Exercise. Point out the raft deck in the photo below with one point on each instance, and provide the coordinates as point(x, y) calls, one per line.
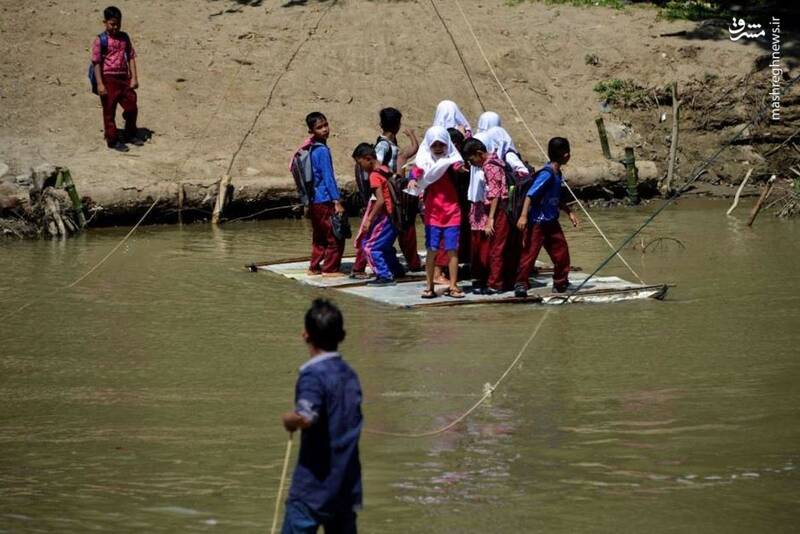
point(406, 294)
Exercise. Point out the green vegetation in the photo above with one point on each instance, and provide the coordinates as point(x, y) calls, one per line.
point(622, 92)
point(691, 10)
point(670, 10)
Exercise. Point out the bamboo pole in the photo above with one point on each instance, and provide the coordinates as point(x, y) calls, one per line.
point(764, 194)
point(601, 131)
point(673, 147)
point(65, 179)
point(739, 192)
point(221, 197)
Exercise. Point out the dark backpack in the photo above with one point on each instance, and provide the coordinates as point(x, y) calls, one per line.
point(103, 51)
point(302, 172)
point(387, 156)
point(362, 185)
point(400, 200)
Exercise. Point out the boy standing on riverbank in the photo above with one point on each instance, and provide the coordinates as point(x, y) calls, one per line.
point(326, 486)
point(539, 221)
point(117, 78)
point(326, 248)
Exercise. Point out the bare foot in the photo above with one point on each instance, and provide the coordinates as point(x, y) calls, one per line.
point(313, 273)
point(333, 275)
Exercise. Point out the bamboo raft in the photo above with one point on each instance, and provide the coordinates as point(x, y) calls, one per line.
point(406, 294)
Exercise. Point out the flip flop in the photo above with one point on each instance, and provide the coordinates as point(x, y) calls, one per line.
point(428, 294)
point(454, 294)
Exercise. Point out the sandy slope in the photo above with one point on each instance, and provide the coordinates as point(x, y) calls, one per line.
point(205, 77)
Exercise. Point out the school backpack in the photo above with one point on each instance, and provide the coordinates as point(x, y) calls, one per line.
point(302, 172)
point(103, 51)
point(518, 187)
point(400, 200)
point(362, 185)
point(387, 156)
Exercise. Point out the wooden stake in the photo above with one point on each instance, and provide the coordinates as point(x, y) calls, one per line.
point(739, 192)
point(630, 169)
point(65, 180)
point(673, 147)
point(601, 131)
point(221, 197)
point(764, 194)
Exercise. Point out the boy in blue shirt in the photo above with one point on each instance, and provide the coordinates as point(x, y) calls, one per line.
point(326, 249)
point(539, 221)
point(326, 486)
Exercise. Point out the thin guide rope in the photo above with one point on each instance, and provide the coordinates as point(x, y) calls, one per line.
point(286, 457)
point(700, 169)
point(487, 393)
point(535, 140)
point(96, 266)
point(460, 57)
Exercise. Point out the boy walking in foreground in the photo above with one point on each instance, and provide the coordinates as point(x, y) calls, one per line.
point(326, 486)
point(117, 78)
point(539, 221)
point(326, 248)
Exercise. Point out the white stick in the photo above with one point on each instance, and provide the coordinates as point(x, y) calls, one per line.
point(739, 192)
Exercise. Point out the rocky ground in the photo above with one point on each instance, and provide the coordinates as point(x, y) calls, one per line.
point(225, 85)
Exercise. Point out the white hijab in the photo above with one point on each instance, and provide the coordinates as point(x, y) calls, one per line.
point(487, 120)
point(497, 140)
point(448, 115)
point(433, 167)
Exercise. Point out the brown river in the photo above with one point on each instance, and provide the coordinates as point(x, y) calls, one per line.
point(147, 398)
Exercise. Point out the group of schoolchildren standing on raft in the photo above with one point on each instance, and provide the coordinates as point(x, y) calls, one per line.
point(480, 202)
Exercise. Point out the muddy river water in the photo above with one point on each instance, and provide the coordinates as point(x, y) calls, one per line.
point(147, 398)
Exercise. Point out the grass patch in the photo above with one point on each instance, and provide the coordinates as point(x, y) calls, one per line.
point(626, 93)
point(691, 10)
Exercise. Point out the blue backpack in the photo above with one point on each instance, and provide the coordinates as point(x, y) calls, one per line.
point(103, 51)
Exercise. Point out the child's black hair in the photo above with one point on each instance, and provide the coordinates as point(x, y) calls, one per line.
point(456, 137)
point(364, 150)
point(313, 117)
point(472, 146)
point(112, 12)
point(557, 148)
point(324, 325)
point(390, 119)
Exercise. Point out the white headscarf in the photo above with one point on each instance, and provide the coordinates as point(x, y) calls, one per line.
point(477, 180)
point(498, 141)
point(449, 116)
point(434, 167)
point(501, 144)
point(487, 120)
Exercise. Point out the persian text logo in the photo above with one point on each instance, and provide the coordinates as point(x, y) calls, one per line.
point(737, 30)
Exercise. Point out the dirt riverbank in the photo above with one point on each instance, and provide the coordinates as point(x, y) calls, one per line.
point(208, 68)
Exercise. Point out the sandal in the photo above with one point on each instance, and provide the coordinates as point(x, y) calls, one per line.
point(454, 293)
point(429, 294)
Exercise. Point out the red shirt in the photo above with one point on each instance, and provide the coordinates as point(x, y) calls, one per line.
point(441, 202)
point(379, 181)
point(119, 52)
